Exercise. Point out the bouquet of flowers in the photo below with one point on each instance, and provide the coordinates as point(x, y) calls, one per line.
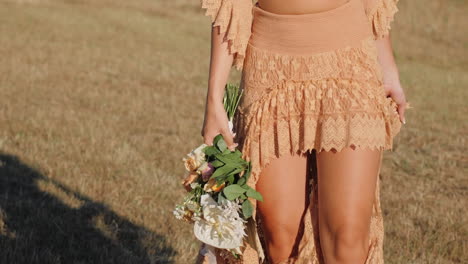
point(216, 181)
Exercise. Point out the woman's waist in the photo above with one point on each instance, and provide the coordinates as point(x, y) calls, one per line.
point(345, 25)
point(299, 6)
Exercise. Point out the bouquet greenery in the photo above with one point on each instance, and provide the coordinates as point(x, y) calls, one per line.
point(216, 180)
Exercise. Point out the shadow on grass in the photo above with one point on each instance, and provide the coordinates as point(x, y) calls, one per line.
point(37, 227)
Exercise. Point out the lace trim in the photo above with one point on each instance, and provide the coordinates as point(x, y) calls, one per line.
point(317, 100)
point(235, 19)
point(381, 17)
point(305, 132)
point(295, 117)
point(264, 68)
point(323, 101)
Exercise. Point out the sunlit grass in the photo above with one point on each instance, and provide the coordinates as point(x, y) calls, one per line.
point(101, 99)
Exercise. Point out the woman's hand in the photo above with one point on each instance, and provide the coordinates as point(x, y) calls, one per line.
point(391, 79)
point(216, 122)
point(395, 91)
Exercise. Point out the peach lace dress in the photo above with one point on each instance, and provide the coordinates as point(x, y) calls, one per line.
point(310, 81)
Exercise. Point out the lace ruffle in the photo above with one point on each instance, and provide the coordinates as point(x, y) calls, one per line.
point(328, 100)
point(323, 101)
point(266, 69)
point(234, 17)
point(381, 13)
point(324, 115)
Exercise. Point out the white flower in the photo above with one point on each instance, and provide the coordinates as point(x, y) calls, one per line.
point(195, 158)
point(237, 250)
point(198, 152)
point(192, 206)
point(232, 208)
point(221, 226)
point(179, 212)
point(197, 216)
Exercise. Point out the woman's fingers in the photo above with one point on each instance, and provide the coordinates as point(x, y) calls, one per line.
point(401, 112)
point(208, 139)
point(399, 98)
point(229, 139)
point(227, 136)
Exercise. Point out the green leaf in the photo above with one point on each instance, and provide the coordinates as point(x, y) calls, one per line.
point(211, 150)
point(247, 172)
point(247, 209)
point(254, 194)
point(243, 196)
point(220, 180)
point(241, 181)
point(235, 171)
point(221, 144)
point(226, 151)
point(217, 163)
point(245, 186)
point(230, 178)
point(233, 191)
point(231, 159)
point(222, 171)
point(216, 139)
point(237, 153)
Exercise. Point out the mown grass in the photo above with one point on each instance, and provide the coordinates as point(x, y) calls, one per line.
point(101, 99)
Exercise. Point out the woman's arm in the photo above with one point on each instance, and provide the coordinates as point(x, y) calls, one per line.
point(391, 78)
point(216, 120)
point(220, 66)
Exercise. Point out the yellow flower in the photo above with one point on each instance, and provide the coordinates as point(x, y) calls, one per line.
point(195, 158)
point(217, 188)
point(191, 177)
point(212, 186)
point(190, 163)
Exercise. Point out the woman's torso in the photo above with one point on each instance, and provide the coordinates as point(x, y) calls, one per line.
point(299, 6)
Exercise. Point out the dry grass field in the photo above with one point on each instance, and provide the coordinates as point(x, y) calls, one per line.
point(100, 99)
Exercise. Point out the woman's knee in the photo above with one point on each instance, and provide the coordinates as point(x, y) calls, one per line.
point(282, 231)
point(281, 239)
point(283, 185)
point(350, 242)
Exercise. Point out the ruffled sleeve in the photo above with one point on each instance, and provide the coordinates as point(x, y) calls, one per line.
point(235, 19)
point(380, 14)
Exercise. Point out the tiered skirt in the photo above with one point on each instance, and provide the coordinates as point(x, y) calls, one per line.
point(312, 82)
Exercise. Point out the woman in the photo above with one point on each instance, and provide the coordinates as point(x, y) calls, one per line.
point(322, 100)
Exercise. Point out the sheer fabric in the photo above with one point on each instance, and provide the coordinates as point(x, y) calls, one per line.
point(234, 17)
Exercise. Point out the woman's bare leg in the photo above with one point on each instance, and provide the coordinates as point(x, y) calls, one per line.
point(283, 185)
point(346, 187)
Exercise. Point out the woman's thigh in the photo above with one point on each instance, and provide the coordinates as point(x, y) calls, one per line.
point(283, 185)
point(346, 188)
